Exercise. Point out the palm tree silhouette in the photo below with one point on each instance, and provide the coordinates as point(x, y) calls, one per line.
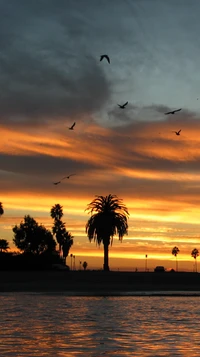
point(110, 218)
point(195, 254)
point(175, 252)
point(67, 242)
point(57, 213)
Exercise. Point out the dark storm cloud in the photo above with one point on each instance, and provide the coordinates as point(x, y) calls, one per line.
point(45, 68)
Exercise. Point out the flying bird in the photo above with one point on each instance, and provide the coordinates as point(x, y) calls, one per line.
point(173, 111)
point(72, 127)
point(67, 176)
point(56, 183)
point(123, 105)
point(177, 132)
point(105, 56)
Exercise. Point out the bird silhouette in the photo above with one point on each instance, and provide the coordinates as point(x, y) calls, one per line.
point(173, 111)
point(56, 183)
point(105, 56)
point(177, 132)
point(68, 176)
point(72, 127)
point(123, 105)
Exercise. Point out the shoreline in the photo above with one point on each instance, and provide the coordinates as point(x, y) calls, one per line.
point(95, 283)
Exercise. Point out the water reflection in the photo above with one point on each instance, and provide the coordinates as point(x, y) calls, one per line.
point(63, 326)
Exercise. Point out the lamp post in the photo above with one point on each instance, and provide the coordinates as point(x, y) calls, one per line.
point(74, 268)
point(71, 256)
point(146, 256)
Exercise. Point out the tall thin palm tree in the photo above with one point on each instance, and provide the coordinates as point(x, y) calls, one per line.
point(58, 227)
point(109, 218)
point(175, 252)
point(195, 254)
point(67, 243)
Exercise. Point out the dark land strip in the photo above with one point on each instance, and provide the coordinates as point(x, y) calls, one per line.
point(100, 282)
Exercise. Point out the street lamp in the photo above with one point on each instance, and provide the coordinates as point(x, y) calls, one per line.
point(74, 263)
point(71, 256)
point(146, 256)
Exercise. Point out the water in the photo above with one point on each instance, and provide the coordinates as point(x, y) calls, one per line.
point(57, 325)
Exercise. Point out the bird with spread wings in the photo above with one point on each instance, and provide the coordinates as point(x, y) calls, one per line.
point(72, 127)
point(106, 57)
point(65, 177)
point(176, 132)
point(123, 105)
point(173, 111)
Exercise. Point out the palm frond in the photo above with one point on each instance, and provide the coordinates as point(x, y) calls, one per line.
point(108, 218)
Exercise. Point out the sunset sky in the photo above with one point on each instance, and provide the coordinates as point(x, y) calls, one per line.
point(51, 76)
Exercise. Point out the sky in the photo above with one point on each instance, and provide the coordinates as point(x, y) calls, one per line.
point(51, 76)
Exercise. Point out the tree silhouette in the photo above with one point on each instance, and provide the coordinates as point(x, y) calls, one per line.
point(4, 245)
point(1, 209)
point(30, 237)
point(58, 227)
point(64, 238)
point(175, 252)
point(85, 264)
point(110, 218)
point(195, 254)
point(67, 243)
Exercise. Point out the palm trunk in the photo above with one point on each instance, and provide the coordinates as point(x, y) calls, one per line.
point(106, 266)
point(60, 249)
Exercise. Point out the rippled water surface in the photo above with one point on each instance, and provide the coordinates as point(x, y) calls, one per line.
point(64, 326)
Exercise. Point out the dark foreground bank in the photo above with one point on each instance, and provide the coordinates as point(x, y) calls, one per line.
point(97, 282)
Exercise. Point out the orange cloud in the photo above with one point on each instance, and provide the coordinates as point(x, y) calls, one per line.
point(156, 173)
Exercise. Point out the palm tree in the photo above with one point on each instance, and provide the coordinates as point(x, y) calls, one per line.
point(110, 218)
point(195, 254)
point(175, 252)
point(58, 227)
point(56, 212)
point(67, 242)
point(4, 246)
point(1, 209)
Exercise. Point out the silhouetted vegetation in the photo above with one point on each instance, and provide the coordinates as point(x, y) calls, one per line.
point(4, 245)
point(30, 237)
point(1, 209)
point(195, 254)
point(85, 264)
point(29, 261)
point(110, 219)
point(64, 238)
point(175, 252)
